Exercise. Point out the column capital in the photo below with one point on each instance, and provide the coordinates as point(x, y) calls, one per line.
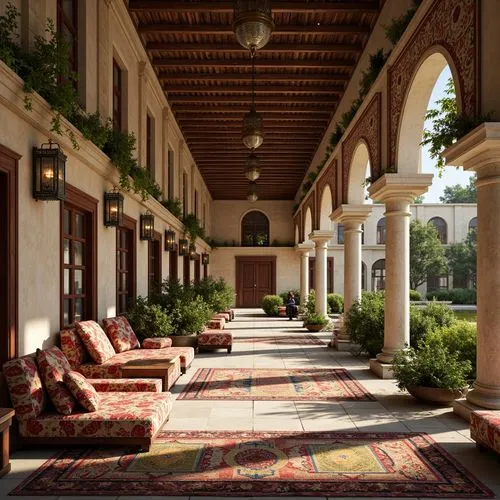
point(479, 148)
point(304, 247)
point(356, 214)
point(400, 187)
point(321, 236)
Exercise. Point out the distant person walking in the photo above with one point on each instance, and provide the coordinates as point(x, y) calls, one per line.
point(291, 306)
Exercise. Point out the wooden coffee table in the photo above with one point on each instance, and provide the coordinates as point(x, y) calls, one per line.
point(6, 415)
point(153, 368)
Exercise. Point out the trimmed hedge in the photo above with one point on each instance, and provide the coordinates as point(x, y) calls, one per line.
point(415, 296)
point(270, 304)
point(335, 303)
point(463, 296)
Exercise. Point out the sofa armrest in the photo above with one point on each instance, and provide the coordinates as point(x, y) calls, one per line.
point(126, 384)
point(156, 343)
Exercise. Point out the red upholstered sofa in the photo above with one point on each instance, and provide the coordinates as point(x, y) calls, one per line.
point(125, 417)
point(485, 429)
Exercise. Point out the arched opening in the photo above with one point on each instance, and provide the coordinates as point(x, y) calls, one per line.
point(473, 224)
point(326, 209)
point(363, 276)
point(381, 231)
point(297, 234)
point(441, 227)
point(255, 230)
point(307, 224)
point(358, 172)
point(409, 149)
point(378, 275)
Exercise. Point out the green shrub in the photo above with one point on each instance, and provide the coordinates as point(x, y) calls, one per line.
point(430, 365)
point(189, 317)
point(364, 323)
point(296, 296)
point(415, 296)
point(173, 292)
point(216, 293)
point(460, 296)
point(310, 305)
point(149, 320)
point(441, 314)
point(335, 303)
point(460, 338)
point(270, 304)
point(315, 319)
point(421, 324)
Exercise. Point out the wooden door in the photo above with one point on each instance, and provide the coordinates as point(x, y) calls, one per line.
point(255, 277)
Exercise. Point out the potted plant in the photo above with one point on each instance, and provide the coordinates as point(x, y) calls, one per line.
point(431, 373)
point(149, 320)
point(314, 322)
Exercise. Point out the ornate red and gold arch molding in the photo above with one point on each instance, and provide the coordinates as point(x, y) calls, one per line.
point(310, 202)
point(327, 178)
point(368, 129)
point(454, 26)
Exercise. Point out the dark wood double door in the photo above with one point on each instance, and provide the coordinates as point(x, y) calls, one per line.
point(255, 277)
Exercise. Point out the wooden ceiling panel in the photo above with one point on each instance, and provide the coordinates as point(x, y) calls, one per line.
point(300, 78)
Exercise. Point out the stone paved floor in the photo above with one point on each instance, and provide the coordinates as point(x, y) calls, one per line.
point(393, 411)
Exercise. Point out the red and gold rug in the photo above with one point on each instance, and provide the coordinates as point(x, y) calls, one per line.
point(263, 384)
point(262, 464)
point(284, 340)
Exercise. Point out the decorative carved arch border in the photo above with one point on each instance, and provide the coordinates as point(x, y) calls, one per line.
point(328, 178)
point(297, 221)
point(309, 203)
point(454, 25)
point(369, 130)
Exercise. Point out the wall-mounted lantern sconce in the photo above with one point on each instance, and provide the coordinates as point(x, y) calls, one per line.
point(147, 226)
point(183, 248)
point(205, 259)
point(169, 240)
point(113, 209)
point(49, 172)
point(192, 251)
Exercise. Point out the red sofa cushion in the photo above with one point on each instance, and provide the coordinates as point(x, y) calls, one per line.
point(157, 343)
point(96, 341)
point(73, 348)
point(121, 334)
point(82, 391)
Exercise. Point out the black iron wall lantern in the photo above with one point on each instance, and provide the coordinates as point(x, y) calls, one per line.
point(113, 209)
point(49, 172)
point(147, 226)
point(183, 248)
point(169, 240)
point(205, 259)
point(192, 251)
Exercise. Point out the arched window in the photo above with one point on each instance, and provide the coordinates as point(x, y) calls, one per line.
point(363, 276)
point(473, 224)
point(255, 230)
point(378, 275)
point(340, 234)
point(381, 231)
point(441, 228)
point(362, 234)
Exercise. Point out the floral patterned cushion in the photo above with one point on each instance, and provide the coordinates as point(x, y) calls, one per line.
point(485, 428)
point(120, 414)
point(25, 387)
point(216, 324)
point(52, 365)
point(220, 338)
point(224, 316)
point(121, 334)
point(73, 348)
point(156, 343)
point(83, 392)
point(95, 340)
point(126, 384)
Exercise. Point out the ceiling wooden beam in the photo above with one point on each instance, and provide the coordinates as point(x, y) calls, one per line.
point(230, 121)
point(261, 77)
point(236, 48)
point(272, 133)
point(247, 89)
point(212, 6)
point(240, 110)
point(246, 99)
point(259, 63)
point(226, 29)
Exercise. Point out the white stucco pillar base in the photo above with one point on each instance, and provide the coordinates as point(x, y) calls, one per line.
point(321, 239)
point(304, 249)
point(480, 151)
point(397, 191)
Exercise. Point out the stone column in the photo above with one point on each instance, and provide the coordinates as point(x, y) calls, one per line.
point(304, 250)
point(480, 151)
point(321, 239)
point(397, 191)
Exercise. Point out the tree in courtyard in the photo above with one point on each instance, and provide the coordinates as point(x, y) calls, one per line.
point(460, 194)
point(462, 259)
point(426, 253)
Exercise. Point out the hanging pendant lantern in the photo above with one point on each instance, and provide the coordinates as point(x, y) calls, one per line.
point(252, 192)
point(252, 135)
point(253, 23)
point(252, 167)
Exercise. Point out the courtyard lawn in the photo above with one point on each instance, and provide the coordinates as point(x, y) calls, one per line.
point(466, 315)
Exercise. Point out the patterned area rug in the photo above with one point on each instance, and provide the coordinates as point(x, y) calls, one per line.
point(263, 384)
point(285, 340)
point(262, 464)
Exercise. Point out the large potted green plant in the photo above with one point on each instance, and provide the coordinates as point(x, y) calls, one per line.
point(314, 322)
point(431, 373)
point(149, 320)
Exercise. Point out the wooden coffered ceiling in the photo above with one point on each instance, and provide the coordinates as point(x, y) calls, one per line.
point(300, 78)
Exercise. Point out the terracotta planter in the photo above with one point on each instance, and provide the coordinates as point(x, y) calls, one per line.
point(184, 340)
point(314, 328)
point(436, 396)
